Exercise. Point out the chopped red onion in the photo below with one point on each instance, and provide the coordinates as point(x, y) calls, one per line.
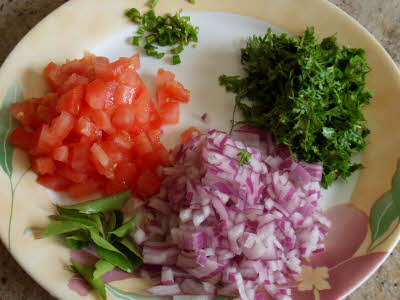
point(246, 229)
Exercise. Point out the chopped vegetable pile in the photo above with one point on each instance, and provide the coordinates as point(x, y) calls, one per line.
point(99, 129)
point(170, 30)
point(216, 227)
point(309, 95)
point(98, 224)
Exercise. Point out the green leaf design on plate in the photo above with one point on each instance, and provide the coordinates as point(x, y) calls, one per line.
point(121, 295)
point(7, 125)
point(385, 211)
point(102, 267)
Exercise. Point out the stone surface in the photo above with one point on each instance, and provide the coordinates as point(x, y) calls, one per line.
point(380, 17)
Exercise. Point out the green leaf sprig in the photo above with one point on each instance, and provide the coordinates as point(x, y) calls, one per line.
point(98, 223)
point(245, 157)
point(158, 31)
point(385, 212)
point(308, 95)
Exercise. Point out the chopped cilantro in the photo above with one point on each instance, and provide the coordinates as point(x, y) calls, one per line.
point(153, 3)
point(244, 158)
point(309, 95)
point(176, 60)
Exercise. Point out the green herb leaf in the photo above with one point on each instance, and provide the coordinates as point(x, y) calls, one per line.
point(87, 273)
point(77, 219)
point(101, 242)
point(116, 258)
point(308, 95)
point(78, 241)
point(60, 227)
point(97, 218)
point(244, 158)
point(129, 250)
point(386, 210)
point(136, 40)
point(112, 202)
point(192, 1)
point(176, 60)
point(125, 229)
point(153, 3)
point(102, 267)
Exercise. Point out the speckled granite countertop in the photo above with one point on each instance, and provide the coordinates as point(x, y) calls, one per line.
point(380, 17)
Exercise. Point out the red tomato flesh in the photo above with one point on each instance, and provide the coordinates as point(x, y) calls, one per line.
point(99, 130)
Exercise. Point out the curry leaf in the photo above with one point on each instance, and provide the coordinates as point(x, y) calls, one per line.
point(386, 210)
point(115, 221)
point(7, 125)
point(60, 227)
point(101, 242)
point(112, 202)
point(87, 273)
point(102, 267)
point(125, 229)
point(97, 218)
point(78, 219)
point(116, 258)
point(129, 250)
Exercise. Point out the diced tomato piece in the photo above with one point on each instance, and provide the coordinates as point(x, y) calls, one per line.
point(163, 155)
point(148, 183)
point(125, 178)
point(61, 154)
point(189, 133)
point(142, 108)
point(87, 128)
point(169, 112)
point(54, 182)
point(168, 87)
point(176, 91)
point(103, 121)
point(101, 161)
point(100, 93)
point(22, 139)
point(164, 77)
point(79, 156)
point(43, 140)
point(154, 136)
point(25, 112)
point(43, 165)
point(71, 101)
point(45, 113)
point(115, 69)
point(86, 188)
point(73, 81)
point(125, 94)
point(114, 153)
point(131, 78)
point(124, 117)
point(162, 97)
point(54, 76)
point(142, 144)
point(61, 127)
point(73, 175)
point(123, 140)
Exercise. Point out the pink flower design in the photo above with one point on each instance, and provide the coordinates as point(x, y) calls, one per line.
point(332, 274)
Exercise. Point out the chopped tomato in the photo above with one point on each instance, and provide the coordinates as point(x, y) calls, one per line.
point(168, 87)
point(188, 134)
point(43, 165)
point(22, 139)
point(124, 117)
point(169, 112)
point(98, 92)
point(125, 94)
point(99, 130)
point(54, 182)
point(86, 188)
point(71, 101)
point(142, 144)
point(61, 154)
point(148, 183)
